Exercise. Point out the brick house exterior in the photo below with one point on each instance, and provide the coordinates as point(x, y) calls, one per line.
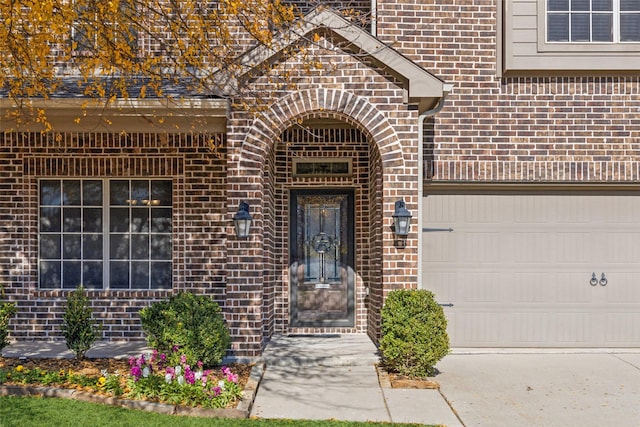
point(388, 114)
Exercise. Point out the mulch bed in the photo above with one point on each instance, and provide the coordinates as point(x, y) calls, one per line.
point(394, 380)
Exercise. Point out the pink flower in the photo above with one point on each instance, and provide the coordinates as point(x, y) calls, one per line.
point(183, 359)
point(199, 363)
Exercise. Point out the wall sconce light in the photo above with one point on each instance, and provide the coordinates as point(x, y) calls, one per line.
point(401, 219)
point(242, 221)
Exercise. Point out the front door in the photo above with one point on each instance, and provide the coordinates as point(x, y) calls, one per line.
point(321, 255)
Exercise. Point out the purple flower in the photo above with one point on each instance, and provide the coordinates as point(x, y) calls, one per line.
point(189, 376)
point(217, 391)
point(136, 372)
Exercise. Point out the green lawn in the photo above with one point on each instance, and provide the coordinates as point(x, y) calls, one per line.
point(45, 412)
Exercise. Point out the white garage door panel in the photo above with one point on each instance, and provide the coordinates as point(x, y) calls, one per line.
point(517, 268)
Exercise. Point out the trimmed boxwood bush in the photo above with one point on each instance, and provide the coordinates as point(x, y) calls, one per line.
point(192, 324)
point(78, 327)
point(414, 333)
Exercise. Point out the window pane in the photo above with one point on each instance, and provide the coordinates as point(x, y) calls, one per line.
point(92, 193)
point(140, 246)
point(92, 275)
point(602, 5)
point(559, 5)
point(139, 220)
point(558, 27)
point(72, 220)
point(119, 246)
point(580, 27)
point(580, 5)
point(161, 247)
point(161, 220)
point(160, 275)
point(630, 5)
point(140, 275)
point(119, 193)
point(92, 246)
point(50, 246)
point(630, 27)
point(119, 275)
point(50, 219)
point(50, 193)
point(71, 193)
point(72, 274)
point(119, 220)
point(50, 274)
point(92, 220)
point(140, 191)
point(161, 191)
point(71, 246)
point(602, 28)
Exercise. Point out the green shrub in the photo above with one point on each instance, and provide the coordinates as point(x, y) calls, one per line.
point(192, 323)
point(7, 309)
point(78, 327)
point(414, 333)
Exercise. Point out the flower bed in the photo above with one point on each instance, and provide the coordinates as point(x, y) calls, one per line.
point(149, 379)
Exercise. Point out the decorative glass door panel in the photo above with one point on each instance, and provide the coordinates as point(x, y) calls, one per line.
point(321, 252)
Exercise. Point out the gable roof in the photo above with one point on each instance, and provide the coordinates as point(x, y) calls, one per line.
point(422, 88)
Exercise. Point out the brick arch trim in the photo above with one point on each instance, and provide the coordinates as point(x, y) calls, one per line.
point(330, 103)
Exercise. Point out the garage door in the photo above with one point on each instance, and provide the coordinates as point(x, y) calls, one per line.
point(535, 270)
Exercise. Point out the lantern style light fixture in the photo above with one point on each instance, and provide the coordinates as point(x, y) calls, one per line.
point(401, 219)
point(242, 221)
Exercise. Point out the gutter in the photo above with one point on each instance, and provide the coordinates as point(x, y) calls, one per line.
point(447, 88)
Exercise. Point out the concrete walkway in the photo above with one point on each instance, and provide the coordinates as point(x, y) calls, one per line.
point(334, 377)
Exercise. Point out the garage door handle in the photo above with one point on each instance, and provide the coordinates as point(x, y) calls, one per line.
point(603, 280)
point(450, 304)
point(594, 280)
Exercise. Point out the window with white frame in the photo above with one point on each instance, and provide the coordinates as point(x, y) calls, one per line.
point(114, 234)
point(593, 21)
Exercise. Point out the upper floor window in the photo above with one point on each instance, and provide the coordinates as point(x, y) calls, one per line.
point(97, 26)
point(593, 21)
point(102, 234)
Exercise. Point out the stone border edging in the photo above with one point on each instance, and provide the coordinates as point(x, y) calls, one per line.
point(242, 410)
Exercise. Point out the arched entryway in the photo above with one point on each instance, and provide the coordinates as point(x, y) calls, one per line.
point(287, 150)
point(325, 185)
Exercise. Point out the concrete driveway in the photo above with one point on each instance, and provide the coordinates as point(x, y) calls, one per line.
point(581, 389)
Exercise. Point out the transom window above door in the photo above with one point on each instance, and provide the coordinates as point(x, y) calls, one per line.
point(105, 234)
point(593, 21)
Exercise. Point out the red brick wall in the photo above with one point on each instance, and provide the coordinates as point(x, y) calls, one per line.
point(513, 129)
point(200, 221)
